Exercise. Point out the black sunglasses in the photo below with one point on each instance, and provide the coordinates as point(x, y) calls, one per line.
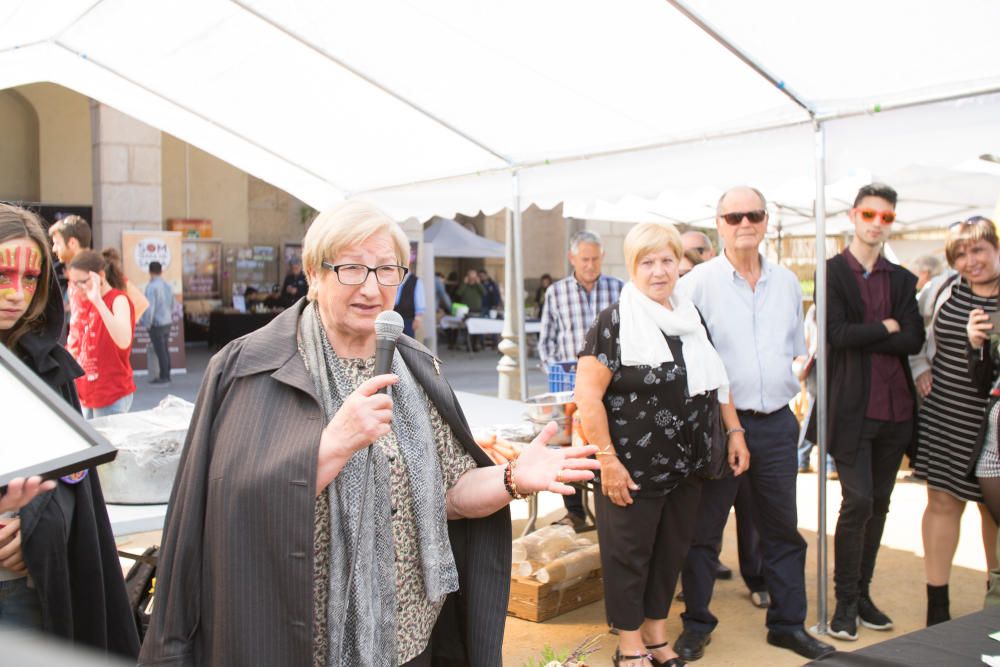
point(737, 218)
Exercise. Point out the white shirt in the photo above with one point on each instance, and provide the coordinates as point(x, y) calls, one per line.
point(756, 332)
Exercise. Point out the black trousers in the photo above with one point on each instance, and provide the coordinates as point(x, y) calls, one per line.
point(866, 485)
point(747, 539)
point(643, 547)
point(159, 337)
point(772, 440)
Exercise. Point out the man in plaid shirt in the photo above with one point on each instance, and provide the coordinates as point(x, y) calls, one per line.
point(571, 306)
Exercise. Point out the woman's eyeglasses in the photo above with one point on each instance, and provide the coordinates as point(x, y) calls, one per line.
point(737, 218)
point(387, 275)
point(869, 215)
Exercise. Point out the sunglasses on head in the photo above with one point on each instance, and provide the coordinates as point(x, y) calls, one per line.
point(736, 218)
point(974, 220)
point(869, 214)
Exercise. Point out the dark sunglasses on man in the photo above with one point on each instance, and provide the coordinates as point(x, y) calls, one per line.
point(737, 218)
point(869, 215)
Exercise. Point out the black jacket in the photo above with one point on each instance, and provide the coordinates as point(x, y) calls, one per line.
point(852, 342)
point(235, 582)
point(66, 536)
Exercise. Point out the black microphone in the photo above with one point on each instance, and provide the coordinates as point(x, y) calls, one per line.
point(388, 326)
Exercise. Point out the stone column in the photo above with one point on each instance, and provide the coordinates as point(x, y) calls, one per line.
point(126, 172)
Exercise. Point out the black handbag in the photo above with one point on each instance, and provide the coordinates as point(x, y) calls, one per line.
point(139, 584)
point(718, 454)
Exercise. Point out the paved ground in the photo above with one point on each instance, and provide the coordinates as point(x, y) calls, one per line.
point(898, 587)
point(472, 372)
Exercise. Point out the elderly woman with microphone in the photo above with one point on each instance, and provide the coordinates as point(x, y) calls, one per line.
point(648, 388)
point(318, 521)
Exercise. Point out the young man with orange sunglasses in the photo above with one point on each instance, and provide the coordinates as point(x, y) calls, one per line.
point(873, 324)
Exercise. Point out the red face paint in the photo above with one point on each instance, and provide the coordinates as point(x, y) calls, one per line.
point(20, 269)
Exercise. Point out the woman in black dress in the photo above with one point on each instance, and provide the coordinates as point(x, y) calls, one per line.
point(648, 387)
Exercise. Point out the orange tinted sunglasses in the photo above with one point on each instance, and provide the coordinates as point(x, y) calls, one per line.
point(869, 214)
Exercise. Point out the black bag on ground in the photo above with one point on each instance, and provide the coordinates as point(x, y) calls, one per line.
point(139, 585)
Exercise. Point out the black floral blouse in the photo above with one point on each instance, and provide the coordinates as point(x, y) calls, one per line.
point(661, 434)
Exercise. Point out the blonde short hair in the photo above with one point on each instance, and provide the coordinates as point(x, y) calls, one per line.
point(966, 232)
point(650, 237)
point(346, 225)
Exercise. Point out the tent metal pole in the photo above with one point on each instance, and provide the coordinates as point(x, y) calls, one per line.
point(821, 375)
point(742, 55)
point(519, 283)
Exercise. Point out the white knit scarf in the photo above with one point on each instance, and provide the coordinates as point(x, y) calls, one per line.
point(643, 323)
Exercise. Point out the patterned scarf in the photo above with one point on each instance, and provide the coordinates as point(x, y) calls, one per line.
point(362, 621)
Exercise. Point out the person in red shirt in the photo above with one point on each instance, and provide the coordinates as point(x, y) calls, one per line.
point(107, 322)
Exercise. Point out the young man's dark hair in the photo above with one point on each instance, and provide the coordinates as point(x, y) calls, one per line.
point(880, 190)
point(73, 227)
point(155, 268)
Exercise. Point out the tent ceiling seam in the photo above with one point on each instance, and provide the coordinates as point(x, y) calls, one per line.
point(530, 164)
point(372, 82)
point(196, 114)
point(79, 17)
point(742, 55)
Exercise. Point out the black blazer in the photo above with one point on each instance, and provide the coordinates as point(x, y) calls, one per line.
point(851, 343)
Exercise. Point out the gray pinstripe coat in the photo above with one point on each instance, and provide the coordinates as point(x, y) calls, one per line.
point(235, 582)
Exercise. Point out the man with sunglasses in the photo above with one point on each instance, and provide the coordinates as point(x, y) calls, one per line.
point(873, 325)
point(753, 312)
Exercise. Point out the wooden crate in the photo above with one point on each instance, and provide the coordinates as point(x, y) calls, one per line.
point(537, 602)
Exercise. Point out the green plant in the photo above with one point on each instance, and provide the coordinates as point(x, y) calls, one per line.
point(548, 655)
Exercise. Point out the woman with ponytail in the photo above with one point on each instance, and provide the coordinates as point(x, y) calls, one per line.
point(108, 319)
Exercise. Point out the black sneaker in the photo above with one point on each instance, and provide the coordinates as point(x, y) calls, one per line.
point(845, 622)
point(871, 616)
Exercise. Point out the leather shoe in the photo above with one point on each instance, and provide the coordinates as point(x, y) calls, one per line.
point(690, 646)
point(801, 642)
point(722, 572)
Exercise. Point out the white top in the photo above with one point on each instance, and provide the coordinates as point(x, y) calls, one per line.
point(757, 332)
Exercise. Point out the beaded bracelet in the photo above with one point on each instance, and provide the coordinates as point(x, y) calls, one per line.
point(508, 481)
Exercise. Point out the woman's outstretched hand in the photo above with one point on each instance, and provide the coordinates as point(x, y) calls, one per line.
point(543, 468)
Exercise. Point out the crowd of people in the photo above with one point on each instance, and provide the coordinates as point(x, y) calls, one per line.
point(360, 524)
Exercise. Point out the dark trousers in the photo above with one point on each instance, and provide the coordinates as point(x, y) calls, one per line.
point(159, 337)
point(772, 440)
point(866, 484)
point(747, 540)
point(574, 504)
point(408, 327)
point(643, 547)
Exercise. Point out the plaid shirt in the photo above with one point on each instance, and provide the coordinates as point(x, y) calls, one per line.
point(569, 313)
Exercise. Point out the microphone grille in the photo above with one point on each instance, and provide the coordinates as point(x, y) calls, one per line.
point(388, 324)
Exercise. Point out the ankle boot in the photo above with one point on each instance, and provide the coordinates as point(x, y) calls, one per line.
point(937, 605)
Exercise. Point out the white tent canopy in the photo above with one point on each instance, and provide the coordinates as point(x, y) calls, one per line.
point(428, 107)
point(451, 239)
point(439, 106)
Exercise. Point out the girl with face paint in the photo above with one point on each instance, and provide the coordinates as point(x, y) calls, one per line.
point(57, 556)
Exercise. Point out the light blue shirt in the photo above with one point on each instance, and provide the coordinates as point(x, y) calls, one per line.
point(161, 304)
point(757, 332)
point(419, 300)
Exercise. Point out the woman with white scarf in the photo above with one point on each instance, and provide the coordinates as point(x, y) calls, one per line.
point(649, 385)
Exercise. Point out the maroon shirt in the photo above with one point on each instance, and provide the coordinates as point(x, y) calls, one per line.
point(889, 397)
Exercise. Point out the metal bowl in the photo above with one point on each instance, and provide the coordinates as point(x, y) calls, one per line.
point(557, 407)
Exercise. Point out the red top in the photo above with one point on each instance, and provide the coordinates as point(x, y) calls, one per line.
point(107, 372)
point(889, 397)
point(77, 302)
